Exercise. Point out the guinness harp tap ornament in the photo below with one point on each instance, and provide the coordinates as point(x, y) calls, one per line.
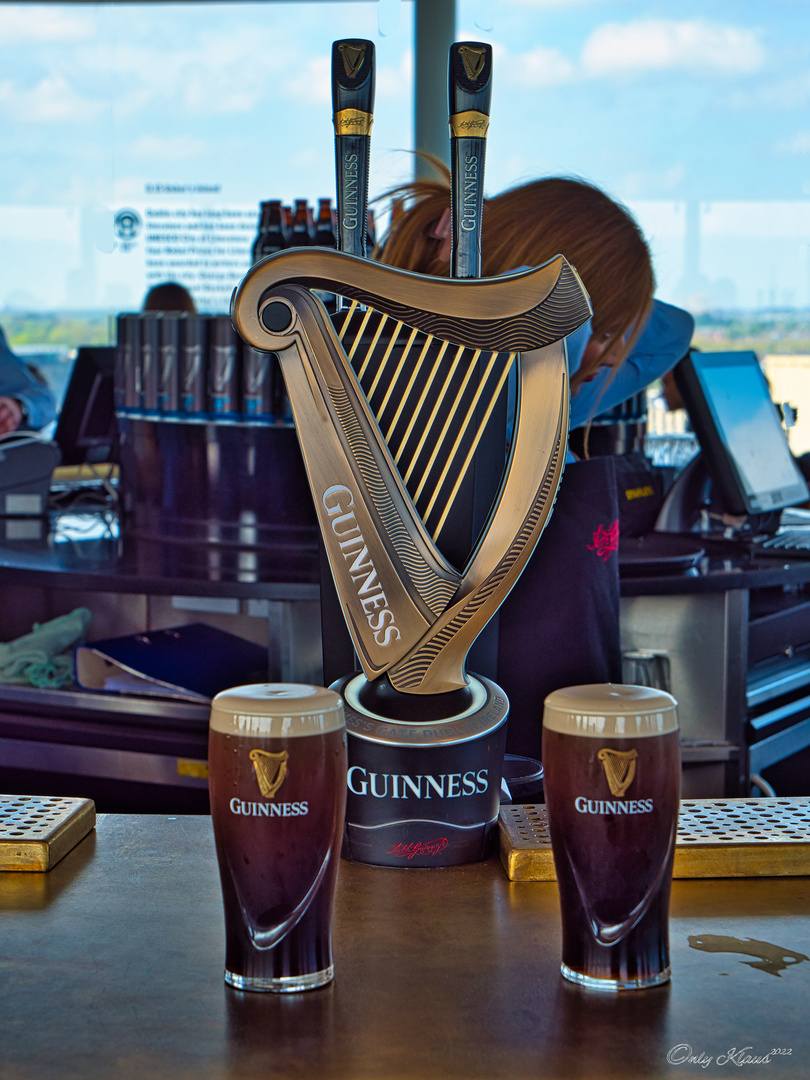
point(391, 402)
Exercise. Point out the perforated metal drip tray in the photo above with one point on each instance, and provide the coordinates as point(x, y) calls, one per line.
point(716, 838)
point(36, 831)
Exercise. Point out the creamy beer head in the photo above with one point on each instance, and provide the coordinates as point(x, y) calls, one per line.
point(276, 710)
point(610, 711)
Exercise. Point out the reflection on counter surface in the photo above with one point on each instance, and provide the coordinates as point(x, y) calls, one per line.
point(96, 544)
point(452, 974)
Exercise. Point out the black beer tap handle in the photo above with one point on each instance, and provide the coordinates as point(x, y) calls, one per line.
point(352, 113)
point(470, 91)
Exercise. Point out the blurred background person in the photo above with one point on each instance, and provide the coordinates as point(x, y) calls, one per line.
point(26, 401)
point(169, 296)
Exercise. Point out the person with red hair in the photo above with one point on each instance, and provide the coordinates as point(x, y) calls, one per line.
point(559, 626)
point(631, 339)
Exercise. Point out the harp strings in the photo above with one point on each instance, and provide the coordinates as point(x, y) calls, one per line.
point(432, 401)
point(479, 431)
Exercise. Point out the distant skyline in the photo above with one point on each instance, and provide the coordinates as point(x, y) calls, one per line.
point(696, 115)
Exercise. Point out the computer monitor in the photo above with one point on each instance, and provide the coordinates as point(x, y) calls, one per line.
point(740, 432)
point(87, 429)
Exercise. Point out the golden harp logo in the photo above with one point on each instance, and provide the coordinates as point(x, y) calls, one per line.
point(620, 769)
point(270, 769)
point(473, 60)
point(352, 58)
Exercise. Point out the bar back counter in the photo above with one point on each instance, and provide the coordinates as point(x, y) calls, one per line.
point(731, 638)
point(730, 635)
point(130, 752)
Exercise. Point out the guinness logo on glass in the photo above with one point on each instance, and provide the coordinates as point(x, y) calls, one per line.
point(620, 769)
point(270, 769)
point(473, 60)
point(352, 58)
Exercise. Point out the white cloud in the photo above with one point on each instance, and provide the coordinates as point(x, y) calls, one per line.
point(25, 23)
point(790, 91)
point(542, 3)
point(312, 83)
point(230, 73)
point(798, 144)
point(766, 218)
point(664, 180)
point(52, 99)
point(538, 67)
point(667, 44)
point(394, 82)
point(181, 148)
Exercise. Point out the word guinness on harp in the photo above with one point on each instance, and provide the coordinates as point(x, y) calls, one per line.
point(337, 502)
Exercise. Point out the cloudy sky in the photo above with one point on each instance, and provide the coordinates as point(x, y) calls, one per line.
point(701, 103)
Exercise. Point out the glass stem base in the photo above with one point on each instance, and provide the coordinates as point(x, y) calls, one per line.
point(286, 984)
point(614, 986)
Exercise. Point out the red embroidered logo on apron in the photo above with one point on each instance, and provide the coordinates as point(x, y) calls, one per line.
point(605, 540)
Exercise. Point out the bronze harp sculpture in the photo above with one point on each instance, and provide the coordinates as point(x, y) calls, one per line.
point(391, 398)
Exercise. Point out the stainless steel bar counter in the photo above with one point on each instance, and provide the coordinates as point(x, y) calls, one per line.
point(112, 969)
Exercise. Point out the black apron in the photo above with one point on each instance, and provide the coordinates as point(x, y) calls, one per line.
point(559, 626)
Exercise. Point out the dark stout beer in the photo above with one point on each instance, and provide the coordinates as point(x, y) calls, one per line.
point(612, 781)
point(277, 757)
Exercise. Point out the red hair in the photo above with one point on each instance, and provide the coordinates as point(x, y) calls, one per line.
point(527, 226)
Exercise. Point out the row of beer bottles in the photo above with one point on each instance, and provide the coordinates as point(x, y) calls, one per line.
point(194, 369)
point(283, 227)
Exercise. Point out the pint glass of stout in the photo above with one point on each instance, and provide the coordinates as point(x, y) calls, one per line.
point(612, 779)
point(277, 762)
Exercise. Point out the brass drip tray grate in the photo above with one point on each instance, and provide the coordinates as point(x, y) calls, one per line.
point(716, 838)
point(36, 831)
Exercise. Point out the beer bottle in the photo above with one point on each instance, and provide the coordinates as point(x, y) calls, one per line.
point(324, 226)
point(273, 234)
point(303, 229)
point(264, 221)
point(326, 236)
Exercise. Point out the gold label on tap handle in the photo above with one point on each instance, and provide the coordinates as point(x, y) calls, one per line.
point(353, 122)
point(469, 124)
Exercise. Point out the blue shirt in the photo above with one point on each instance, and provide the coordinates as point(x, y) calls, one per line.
point(663, 342)
point(17, 381)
